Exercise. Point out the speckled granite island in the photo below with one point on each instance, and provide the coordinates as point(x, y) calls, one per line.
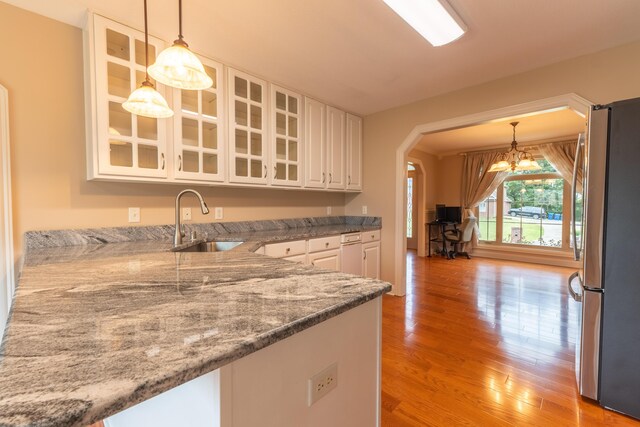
point(105, 319)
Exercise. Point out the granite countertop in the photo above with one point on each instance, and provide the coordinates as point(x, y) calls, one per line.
point(96, 328)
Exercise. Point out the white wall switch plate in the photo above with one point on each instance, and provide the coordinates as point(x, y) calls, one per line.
point(218, 213)
point(322, 383)
point(328, 210)
point(364, 209)
point(134, 214)
point(186, 214)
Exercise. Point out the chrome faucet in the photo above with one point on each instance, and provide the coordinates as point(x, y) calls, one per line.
point(179, 234)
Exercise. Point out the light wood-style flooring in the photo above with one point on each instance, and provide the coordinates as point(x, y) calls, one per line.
point(483, 342)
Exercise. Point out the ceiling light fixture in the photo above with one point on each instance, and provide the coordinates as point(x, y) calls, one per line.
point(146, 100)
point(515, 159)
point(435, 20)
point(178, 67)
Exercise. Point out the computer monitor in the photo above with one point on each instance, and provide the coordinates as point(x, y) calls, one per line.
point(453, 214)
point(441, 213)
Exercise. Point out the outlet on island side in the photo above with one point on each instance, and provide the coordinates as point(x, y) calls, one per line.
point(329, 210)
point(322, 383)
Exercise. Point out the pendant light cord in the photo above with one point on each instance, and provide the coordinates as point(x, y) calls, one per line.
point(146, 44)
point(179, 19)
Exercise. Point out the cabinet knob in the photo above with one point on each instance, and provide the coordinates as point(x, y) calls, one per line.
point(162, 157)
point(288, 250)
point(275, 172)
point(179, 162)
point(323, 177)
point(326, 245)
point(349, 183)
point(265, 171)
point(364, 255)
point(330, 178)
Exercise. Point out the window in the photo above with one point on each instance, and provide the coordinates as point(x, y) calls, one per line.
point(527, 209)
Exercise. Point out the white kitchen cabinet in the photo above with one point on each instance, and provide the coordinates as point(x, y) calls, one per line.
point(329, 260)
point(316, 144)
point(286, 249)
point(120, 143)
point(247, 148)
point(354, 152)
point(371, 254)
point(336, 148)
point(286, 137)
point(198, 125)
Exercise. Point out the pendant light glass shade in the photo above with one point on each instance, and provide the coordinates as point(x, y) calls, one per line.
point(501, 166)
point(178, 67)
point(146, 101)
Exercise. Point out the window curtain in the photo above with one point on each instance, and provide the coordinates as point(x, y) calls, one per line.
point(562, 156)
point(478, 183)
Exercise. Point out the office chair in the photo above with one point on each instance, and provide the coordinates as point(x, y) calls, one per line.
point(460, 236)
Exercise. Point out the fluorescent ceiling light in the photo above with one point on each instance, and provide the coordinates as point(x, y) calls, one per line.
point(434, 20)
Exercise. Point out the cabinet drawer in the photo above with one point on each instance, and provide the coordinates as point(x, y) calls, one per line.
point(286, 249)
point(370, 236)
point(302, 259)
point(324, 243)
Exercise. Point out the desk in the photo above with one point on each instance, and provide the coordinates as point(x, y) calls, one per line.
point(440, 227)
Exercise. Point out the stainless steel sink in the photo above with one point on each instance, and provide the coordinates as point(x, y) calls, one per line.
point(211, 247)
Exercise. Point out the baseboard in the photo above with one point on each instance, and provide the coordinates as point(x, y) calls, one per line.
point(533, 256)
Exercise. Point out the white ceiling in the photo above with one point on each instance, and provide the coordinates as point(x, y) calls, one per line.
point(359, 55)
point(531, 128)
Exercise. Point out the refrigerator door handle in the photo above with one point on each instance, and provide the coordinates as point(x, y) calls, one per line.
point(576, 297)
point(574, 183)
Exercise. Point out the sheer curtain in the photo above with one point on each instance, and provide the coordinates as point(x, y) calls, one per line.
point(562, 156)
point(478, 183)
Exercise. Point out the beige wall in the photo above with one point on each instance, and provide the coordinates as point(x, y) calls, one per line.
point(601, 77)
point(449, 182)
point(42, 66)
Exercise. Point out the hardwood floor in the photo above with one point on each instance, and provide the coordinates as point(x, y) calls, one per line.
point(483, 342)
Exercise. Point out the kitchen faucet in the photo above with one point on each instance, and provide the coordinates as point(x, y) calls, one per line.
point(179, 234)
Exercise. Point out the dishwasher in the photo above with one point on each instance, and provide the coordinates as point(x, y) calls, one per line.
point(351, 253)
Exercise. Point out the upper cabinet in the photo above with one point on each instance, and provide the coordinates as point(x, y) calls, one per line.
point(247, 128)
point(316, 143)
point(335, 148)
point(354, 152)
point(198, 129)
point(243, 131)
point(286, 137)
point(121, 143)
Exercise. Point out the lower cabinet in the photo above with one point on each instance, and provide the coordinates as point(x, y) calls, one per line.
point(371, 260)
point(329, 260)
point(324, 252)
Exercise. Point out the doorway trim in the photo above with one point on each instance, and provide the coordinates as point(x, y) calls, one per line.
point(7, 278)
point(422, 196)
point(570, 101)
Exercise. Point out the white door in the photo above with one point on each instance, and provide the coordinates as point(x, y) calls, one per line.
point(336, 148)
point(329, 260)
point(354, 152)
point(247, 128)
point(315, 139)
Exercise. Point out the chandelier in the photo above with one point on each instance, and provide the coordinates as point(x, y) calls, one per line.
point(515, 159)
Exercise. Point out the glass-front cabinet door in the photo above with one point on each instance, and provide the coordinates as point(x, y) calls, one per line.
point(126, 144)
point(286, 143)
point(198, 129)
point(247, 128)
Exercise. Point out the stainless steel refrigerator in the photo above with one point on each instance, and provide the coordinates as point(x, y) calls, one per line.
point(606, 237)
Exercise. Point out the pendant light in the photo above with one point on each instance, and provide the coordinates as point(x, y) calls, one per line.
point(146, 100)
point(178, 67)
point(515, 159)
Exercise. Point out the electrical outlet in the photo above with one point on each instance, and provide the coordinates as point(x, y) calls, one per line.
point(218, 213)
point(364, 209)
point(322, 383)
point(134, 214)
point(328, 210)
point(186, 214)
